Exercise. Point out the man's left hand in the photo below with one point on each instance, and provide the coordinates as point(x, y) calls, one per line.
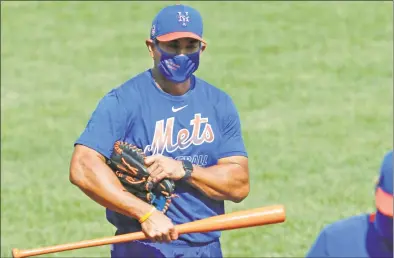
point(160, 167)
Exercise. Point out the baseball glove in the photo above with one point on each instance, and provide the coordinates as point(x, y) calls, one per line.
point(127, 162)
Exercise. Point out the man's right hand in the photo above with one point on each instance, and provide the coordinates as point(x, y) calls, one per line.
point(158, 227)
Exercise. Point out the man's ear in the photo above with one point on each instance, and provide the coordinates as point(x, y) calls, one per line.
point(149, 45)
point(203, 47)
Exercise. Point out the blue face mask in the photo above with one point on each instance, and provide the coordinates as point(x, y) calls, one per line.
point(178, 68)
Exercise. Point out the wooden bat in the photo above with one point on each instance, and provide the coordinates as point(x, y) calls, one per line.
point(240, 219)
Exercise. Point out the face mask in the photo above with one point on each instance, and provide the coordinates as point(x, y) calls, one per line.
point(178, 68)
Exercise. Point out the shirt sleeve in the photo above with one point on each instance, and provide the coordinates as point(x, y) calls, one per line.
point(106, 125)
point(319, 247)
point(232, 143)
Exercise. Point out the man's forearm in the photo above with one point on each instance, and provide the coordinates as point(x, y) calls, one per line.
point(221, 182)
point(98, 182)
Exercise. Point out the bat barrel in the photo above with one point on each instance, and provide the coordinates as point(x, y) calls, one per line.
point(241, 219)
point(235, 220)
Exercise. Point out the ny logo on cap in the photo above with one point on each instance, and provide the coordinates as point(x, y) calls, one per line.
point(183, 18)
point(153, 30)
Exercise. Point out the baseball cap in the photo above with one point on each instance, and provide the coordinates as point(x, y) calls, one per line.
point(384, 189)
point(177, 21)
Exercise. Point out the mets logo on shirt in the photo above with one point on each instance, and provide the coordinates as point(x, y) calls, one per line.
point(200, 133)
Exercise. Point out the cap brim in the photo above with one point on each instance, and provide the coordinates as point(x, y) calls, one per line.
point(178, 35)
point(384, 202)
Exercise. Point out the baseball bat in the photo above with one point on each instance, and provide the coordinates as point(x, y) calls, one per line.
point(235, 220)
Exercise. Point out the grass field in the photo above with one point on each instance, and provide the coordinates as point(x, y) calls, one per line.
point(312, 82)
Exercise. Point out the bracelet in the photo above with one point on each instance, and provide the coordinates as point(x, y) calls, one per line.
point(147, 215)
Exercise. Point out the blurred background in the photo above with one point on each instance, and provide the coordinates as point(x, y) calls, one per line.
point(312, 82)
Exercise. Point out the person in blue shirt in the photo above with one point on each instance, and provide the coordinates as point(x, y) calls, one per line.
point(189, 129)
point(366, 235)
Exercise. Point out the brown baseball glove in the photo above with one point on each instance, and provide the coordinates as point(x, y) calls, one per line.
point(127, 162)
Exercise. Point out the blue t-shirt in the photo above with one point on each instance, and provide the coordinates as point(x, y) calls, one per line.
point(356, 236)
point(201, 126)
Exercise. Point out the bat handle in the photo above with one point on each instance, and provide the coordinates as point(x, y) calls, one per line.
point(16, 253)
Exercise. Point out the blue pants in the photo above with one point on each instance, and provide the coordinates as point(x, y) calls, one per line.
point(176, 249)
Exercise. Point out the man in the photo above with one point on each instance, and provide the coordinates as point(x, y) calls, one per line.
point(183, 124)
point(367, 235)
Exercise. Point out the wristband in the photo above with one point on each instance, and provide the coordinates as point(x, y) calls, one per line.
point(147, 215)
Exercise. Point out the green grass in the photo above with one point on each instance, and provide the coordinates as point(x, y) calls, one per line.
point(312, 82)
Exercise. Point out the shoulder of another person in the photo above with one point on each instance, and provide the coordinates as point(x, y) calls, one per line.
point(347, 225)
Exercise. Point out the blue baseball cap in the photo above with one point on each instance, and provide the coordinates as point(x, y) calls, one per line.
point(384, 188)
point(177, 21)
